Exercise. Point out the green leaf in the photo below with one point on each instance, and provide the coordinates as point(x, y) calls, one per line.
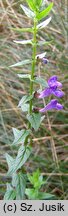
point(27, 11)
point(21, 158)
point(23, 155)
point(31, 4)
point(24, 76)
point(36, 179)
point(36, 195)
point(41, 81)
point(44, 23)
point(24, 99)
point(10, 193)
point(23, 42)
point(9, 160)
point(45, 12)
point(22, 29)
point(34, 119)
point(31, 193)
point(21, 63)
point(38, 2)
point(25, 107)
point(19, 136)
point(45, 196)
point(41, 43)
point(19, 182)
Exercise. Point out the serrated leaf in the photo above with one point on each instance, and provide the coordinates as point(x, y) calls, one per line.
point(24, 99)
point(34, 119)
point(27, 11)
point(20, 136)
point(44, 23)
point(10, 193)
point(41, 81)
point(45, 12)
point(21, 63)
point(24, 76)
point(19, 183)
point(23, 42)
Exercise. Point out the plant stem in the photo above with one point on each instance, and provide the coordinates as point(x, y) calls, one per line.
point(32, 73)
point(33, 63)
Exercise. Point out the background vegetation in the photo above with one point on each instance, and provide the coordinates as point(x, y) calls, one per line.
point(53, 131)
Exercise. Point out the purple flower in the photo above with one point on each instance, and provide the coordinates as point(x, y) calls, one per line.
point(53, 88)
point(52, 105)
point(45, 60)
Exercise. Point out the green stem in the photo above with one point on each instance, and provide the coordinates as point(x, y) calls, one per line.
point(33, 63)
point(32, 73)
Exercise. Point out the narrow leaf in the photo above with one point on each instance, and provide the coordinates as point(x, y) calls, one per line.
point(27, 11)
point(24, 76)
point(44, 23)
point(31, 4)
point(24, 62)
point(22, 29)
point(45, 12)
point(23, 42)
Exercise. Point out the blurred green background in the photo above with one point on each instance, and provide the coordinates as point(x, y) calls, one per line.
point(53, 130)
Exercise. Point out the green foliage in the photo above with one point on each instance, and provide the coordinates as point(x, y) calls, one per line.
point(31, 4)
point(24, 99)
point(21, 63)
point(22, 156)
point(17, 189)
point(41, 81)
point(45, 12)
point(34, 119)
point(28, 12)
point(36, 179)
point(24, 76)
point(19, 183)
point(20, 136)
point(23, 42)
point(10, 193)
point(44, 23)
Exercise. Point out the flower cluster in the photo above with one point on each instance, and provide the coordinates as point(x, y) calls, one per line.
point(54, 87)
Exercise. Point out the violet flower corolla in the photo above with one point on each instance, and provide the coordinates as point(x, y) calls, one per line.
point(52, 105)
point(53, 88)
